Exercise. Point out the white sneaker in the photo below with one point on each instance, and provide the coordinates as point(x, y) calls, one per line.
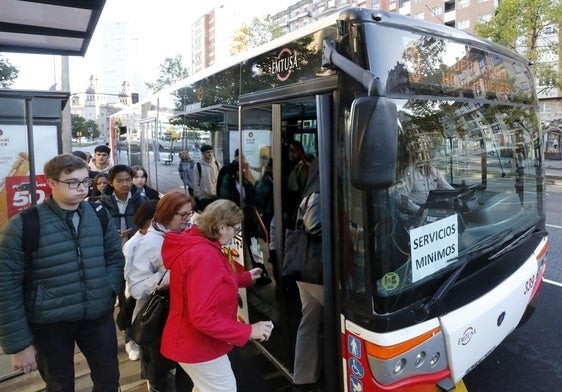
point(133, 350)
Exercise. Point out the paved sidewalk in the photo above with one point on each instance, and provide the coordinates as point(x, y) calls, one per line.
point(252, 370)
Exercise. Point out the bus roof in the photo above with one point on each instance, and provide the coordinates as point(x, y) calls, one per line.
point(351, 14)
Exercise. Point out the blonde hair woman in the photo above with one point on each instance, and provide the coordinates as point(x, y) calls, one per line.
point(202, 326)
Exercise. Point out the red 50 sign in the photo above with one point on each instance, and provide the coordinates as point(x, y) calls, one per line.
point(18, 192)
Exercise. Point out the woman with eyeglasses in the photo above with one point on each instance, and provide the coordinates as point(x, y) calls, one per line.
point(144, 271)
point(122, 199)
point(202, 327)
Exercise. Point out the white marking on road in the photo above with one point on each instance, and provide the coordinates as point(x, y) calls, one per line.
point(552, 282)
point(555, 226)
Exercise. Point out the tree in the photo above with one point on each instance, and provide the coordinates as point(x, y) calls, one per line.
point(522, 25)
point(172, 70)
point(8, 73)
point(80, 124)
point(257, 33)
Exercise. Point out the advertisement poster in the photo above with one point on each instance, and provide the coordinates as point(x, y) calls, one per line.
point(18, 192)
point(256, 148)
point(15, 161)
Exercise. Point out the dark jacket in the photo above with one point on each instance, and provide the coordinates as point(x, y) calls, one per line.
point(150, 193)
point(74, 275)
point(108, 201)
point(227, 185)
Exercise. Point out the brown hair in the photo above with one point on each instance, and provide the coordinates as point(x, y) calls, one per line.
point(216, 214)
point(95, 191)
point(63, 163)
point(145, 213)
point(169, 204)
point(136, 168)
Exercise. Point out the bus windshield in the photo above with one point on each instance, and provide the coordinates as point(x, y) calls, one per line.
point(469, 175)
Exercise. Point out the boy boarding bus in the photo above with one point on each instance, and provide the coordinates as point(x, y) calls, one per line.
point(432, 189)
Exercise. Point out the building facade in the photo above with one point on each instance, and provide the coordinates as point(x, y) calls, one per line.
point(95, 106)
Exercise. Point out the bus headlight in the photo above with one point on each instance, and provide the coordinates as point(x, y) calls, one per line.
point(420, 359)
point(424, 354)
point(400, 366)
point(434, 360)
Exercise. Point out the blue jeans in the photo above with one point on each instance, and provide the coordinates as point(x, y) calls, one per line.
point(96, 339)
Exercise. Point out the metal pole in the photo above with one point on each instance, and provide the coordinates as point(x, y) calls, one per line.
point(66, 121)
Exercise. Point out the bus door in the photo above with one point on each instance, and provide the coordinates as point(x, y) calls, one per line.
point(277, 143)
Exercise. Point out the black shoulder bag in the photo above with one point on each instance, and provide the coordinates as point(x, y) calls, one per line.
point(302, 259)
point(148, 325)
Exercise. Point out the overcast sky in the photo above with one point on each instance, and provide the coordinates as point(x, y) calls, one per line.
point(170, 19)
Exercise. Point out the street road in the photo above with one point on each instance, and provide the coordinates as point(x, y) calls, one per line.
point(530, 359)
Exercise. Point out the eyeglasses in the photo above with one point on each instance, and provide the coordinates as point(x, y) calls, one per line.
point(184, 215)
point(75, 183)
point(237, 229)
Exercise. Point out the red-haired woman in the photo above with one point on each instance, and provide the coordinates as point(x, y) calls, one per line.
point(145, 271)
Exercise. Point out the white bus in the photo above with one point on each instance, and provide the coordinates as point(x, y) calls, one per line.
point(416, 293)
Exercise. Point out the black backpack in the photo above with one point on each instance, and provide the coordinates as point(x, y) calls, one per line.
point(199, 169)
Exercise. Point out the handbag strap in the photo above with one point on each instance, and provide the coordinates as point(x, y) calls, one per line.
point(161, 279)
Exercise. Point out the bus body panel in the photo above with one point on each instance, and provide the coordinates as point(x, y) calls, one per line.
point(476, 329)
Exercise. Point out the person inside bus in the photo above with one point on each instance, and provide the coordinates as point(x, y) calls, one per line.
point(295, 174)
point(419, 177)
point(228, 187)
point(308, 362)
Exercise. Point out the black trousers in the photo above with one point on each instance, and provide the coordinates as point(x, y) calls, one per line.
point(96, 339)
point(156, 368)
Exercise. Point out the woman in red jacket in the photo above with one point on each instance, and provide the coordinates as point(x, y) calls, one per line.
point(202, 326)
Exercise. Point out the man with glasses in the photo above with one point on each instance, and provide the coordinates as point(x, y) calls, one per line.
point(64, 294)
point(205, 178)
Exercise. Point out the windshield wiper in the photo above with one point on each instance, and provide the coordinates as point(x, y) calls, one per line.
point(425, 309)
point(519, 241)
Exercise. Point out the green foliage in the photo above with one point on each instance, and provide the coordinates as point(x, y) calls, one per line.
point(257, 33)
point(80, 124)
point(240, 40)
point(172, 70)
point(8, 73)
point(521, 25)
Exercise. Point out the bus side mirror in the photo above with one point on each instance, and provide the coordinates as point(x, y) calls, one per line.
point(374, 141)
